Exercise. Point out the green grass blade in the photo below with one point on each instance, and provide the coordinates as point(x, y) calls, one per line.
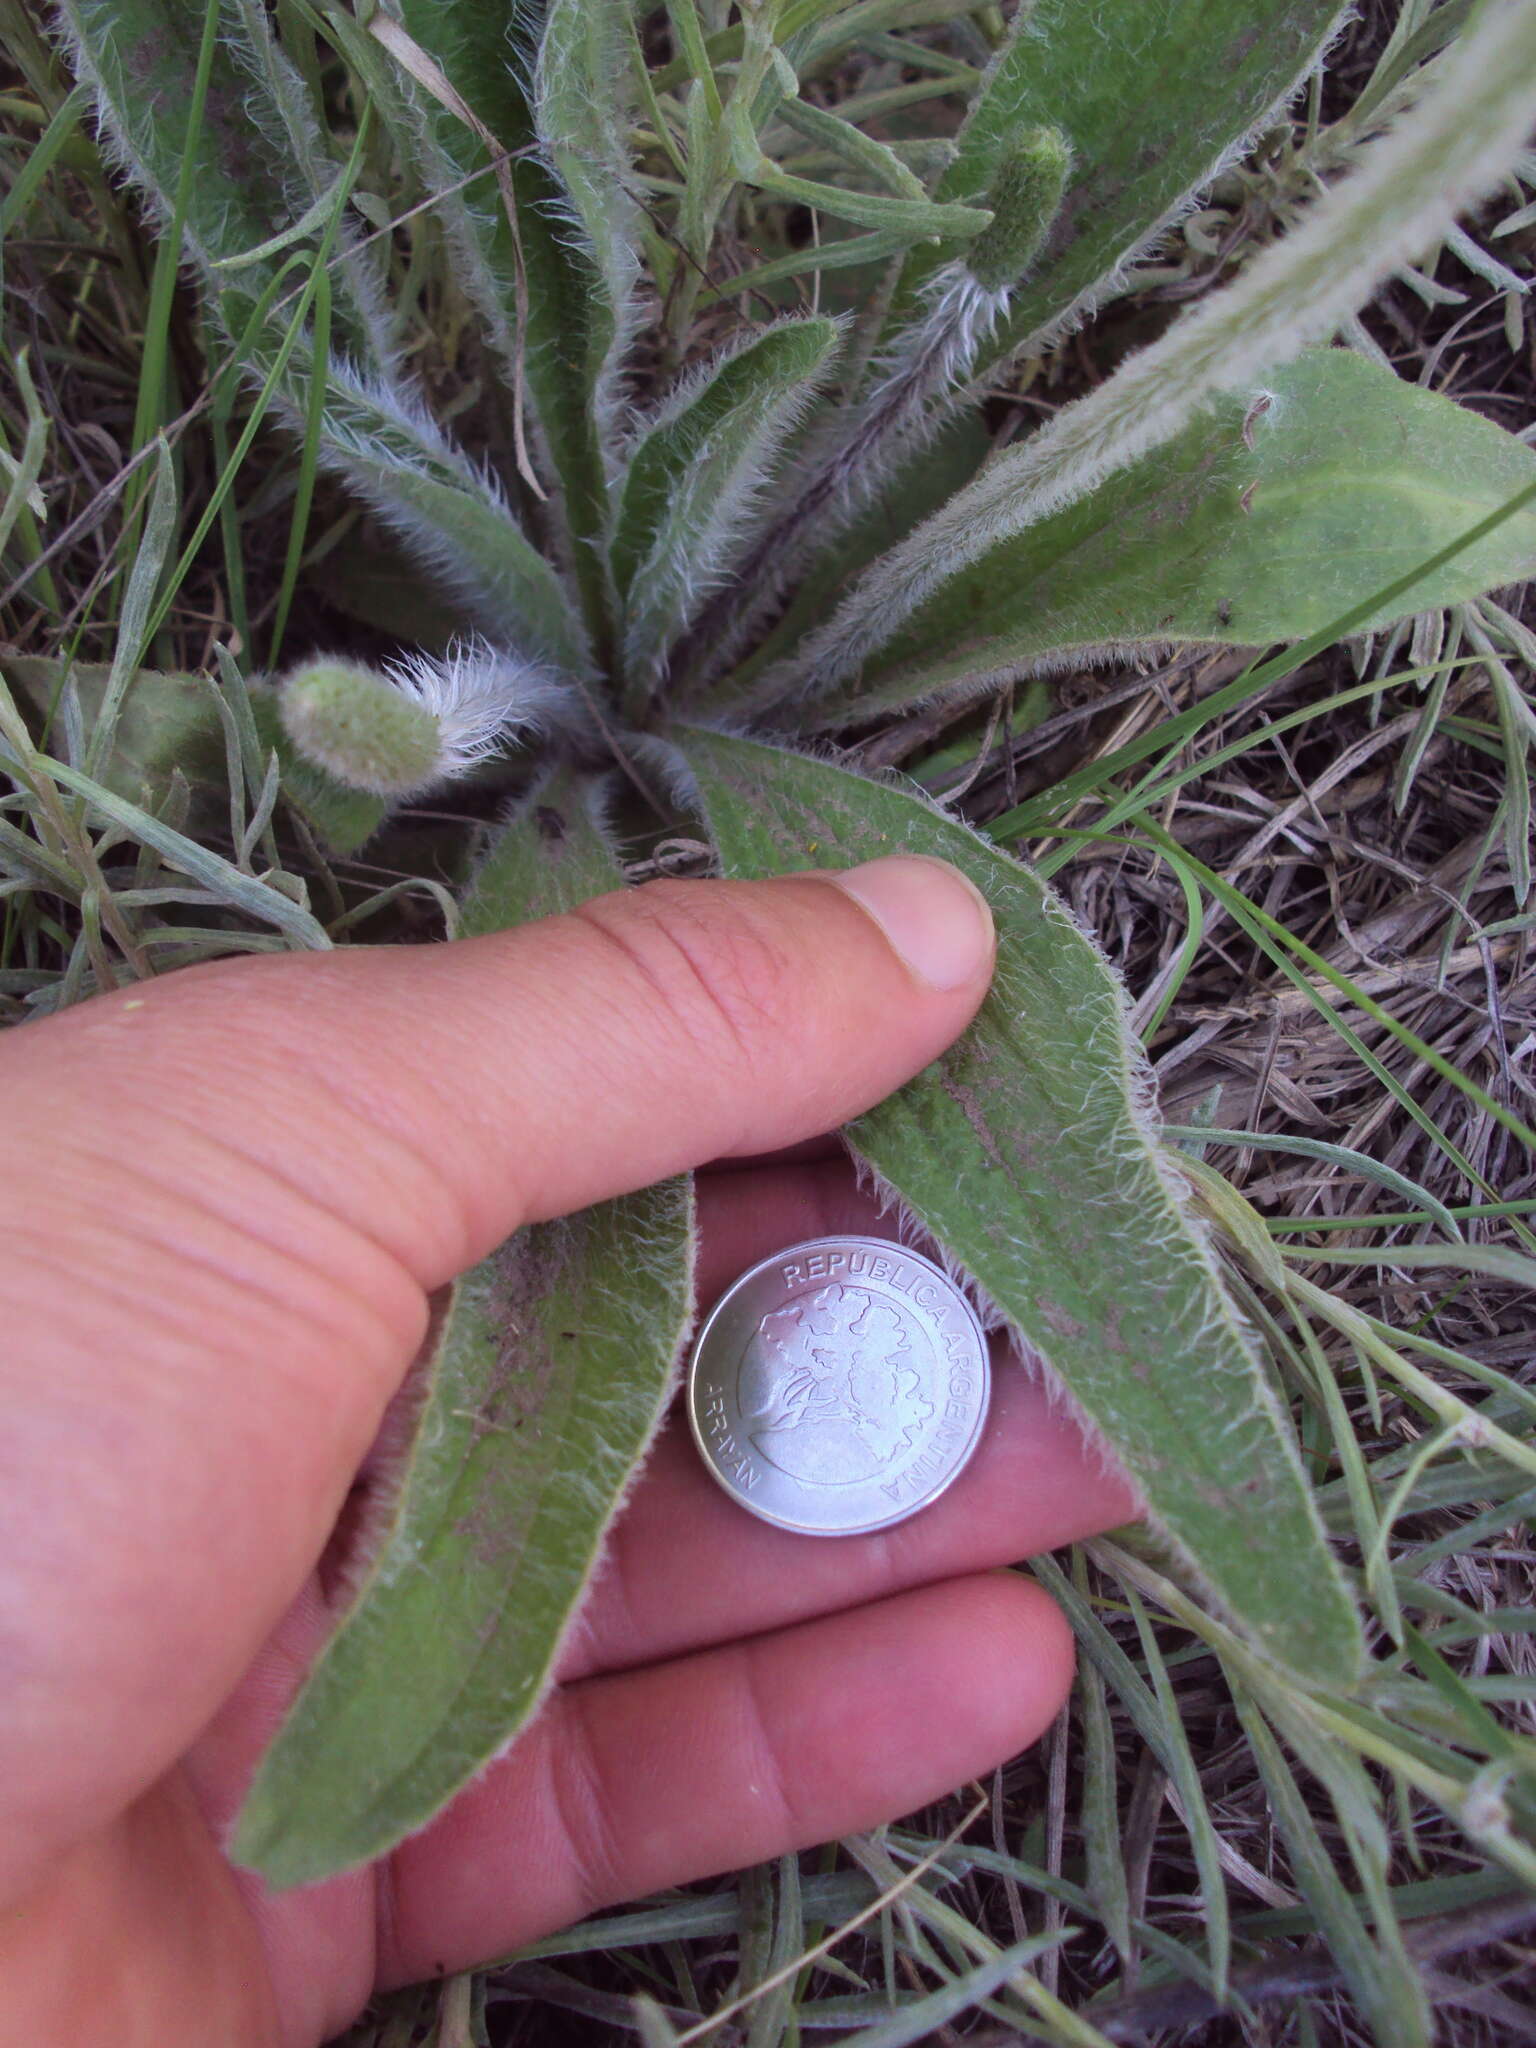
point(1388, 1989)
point(1102, 1830)
point(1195, 1813)
point(1278, 943)
point(309, 462)
point(224, 882)
point(22, 500)
point(548, 1373)
point(1283, 507)
point(136, 619)
point(41, 158)
point(1026, 1152)
point(1344, 1156)
point(921, 2019)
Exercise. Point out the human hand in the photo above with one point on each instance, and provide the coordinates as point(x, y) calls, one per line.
point(226, 1198)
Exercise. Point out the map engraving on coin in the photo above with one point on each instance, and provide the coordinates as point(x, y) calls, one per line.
point(839, 1386)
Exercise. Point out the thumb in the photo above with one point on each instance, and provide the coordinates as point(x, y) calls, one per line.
point(227, 1194)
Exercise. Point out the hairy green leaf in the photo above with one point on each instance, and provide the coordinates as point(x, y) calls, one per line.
point(1025, 1149)
point(557, 345)
point(919, 488)
point(260, 160)
point(1130, 85)
point(581, 114)
point(1089, 130)
point(544, 1381)
point(876, 161)
point(452, 514)
point(1407, 187)
point(251, 176)
point(696, 474)
point(1276, 512)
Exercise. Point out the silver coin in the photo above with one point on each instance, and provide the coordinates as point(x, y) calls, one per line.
point(839, 1386)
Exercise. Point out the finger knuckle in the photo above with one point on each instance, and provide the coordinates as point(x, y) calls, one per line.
point(766, 1771)
point(581, 1799)
point(720, 982)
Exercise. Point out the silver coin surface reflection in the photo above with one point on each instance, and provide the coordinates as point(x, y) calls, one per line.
point(839, 1386)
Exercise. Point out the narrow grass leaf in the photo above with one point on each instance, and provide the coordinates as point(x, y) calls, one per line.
point(1103, 1834)
point(544, 1381)
point(136, 618)
point(224, 882)
point(691, 1916)
point(772, 2012)
point(23, 501)
point(41, 158)
point(1343, 1156)
point(1517, 732)
point(310, 222)
point(920, 2019)
point(1193, 1809)
point(1278, 944)
point(1285, 505)
point(1389, 1991)
point(1026, 1151)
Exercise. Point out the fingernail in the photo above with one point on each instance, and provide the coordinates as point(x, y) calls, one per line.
point(934, 917)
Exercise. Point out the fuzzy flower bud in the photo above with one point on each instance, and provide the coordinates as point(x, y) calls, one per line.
point(1025, 197)
point(418, 722)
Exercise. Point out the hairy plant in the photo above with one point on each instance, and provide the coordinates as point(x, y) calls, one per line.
point(661, 598)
